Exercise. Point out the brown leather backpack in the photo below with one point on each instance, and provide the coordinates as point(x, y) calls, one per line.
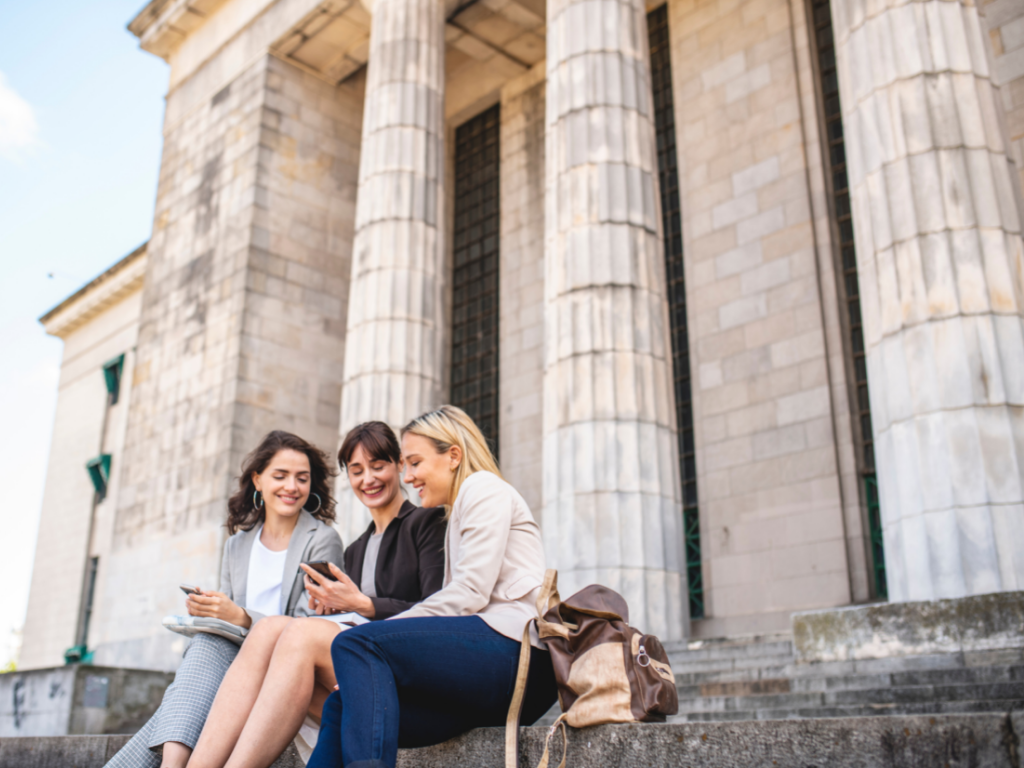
point(606, 670)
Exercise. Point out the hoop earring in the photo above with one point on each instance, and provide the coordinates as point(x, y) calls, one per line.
point(314, 511)
point(254, 504)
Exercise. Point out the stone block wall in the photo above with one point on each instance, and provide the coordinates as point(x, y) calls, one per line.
point(299, 260)
point(242, 329)
point(766, 350)
point(78, 699)
point(522, 285)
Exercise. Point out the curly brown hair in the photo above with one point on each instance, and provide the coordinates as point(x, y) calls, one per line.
point(243, 515)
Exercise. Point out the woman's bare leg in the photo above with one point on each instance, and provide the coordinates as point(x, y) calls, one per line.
point(302, 660)
point(175, 755)
point(238, 692)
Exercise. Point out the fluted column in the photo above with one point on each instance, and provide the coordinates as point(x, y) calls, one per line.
point(394, 354)
point(612, 511)
point(937, 212)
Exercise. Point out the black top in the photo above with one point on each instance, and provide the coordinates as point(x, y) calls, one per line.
point(410, 564)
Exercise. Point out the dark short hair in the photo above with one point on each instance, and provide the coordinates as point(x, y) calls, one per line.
point(243, 515)
point(377, 439)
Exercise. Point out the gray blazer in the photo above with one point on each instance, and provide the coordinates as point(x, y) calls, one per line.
point(312, 540)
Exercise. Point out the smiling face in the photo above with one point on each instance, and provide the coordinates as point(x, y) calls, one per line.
point(429, 471)
point(375, 481)
point(285, 483)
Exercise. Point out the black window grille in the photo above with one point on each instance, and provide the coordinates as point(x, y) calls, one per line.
point(668, 177)
point(475, 272)
point(848, 285)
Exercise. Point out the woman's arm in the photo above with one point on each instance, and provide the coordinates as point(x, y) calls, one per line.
point(221, 605)
point(429, 539)
point(484, 525)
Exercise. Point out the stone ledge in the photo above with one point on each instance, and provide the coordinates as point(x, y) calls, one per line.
point(953, 741)
point(882, 630)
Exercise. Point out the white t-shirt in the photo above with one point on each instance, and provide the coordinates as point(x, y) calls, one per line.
point(263, 585)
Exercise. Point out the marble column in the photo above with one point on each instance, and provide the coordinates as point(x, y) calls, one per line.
point(394, 355)
point(612, 508)
point(937, 212)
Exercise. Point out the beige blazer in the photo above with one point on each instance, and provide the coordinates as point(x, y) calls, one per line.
point(311, 540)
point(493, 559)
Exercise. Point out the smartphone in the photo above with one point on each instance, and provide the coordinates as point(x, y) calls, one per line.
point(189, 590)
point(320, 566)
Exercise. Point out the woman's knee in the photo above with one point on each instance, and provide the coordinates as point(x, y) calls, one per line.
point(265, 633)
point(352, 642)
point(270, 625)
point(308, 637)
point(297, 635)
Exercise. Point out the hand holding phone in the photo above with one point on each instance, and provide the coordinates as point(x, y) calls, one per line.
point(321, 567)
point(190, 590)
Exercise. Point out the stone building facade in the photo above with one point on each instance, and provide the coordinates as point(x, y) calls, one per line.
point(735, 287)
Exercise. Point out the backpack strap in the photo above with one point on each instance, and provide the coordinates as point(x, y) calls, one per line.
point(547, 742)
point(548, 596)
point(516, 707)
point(546, 599)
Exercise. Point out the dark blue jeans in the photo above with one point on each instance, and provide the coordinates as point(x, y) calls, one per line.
point(416, 682)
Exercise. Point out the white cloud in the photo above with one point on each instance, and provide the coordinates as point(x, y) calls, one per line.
point(18, 128)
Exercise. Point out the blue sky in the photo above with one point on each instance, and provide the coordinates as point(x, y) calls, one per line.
point(81, 110)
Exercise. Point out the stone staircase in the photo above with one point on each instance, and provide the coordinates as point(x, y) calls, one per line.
point(759, 678)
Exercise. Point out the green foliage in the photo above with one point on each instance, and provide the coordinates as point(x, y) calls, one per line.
point(10, 666)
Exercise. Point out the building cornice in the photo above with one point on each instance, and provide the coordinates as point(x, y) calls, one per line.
point(125, 277)
point(163, 24)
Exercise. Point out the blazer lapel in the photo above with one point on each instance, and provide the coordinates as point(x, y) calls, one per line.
point(241, 565)
point(297, 545)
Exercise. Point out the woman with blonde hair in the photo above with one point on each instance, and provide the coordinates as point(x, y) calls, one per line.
point(449, 663)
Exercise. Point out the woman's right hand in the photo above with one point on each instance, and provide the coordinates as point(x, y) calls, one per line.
point(217, 605)
point(341, 596)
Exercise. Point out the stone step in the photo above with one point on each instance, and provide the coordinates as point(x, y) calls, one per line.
point(751, 702)
point(777, 697)
point(999, 657)
point(907, 709)
point(711, 671)
point(715, 651)
point(954, 741)
point(722, 665)
point(925, 693)
point(721, 684)
point(954, 676)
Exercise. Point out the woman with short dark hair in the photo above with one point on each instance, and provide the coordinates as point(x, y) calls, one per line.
point(398, 561)
point(272, 532)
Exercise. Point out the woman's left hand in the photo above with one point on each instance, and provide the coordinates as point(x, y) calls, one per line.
point(342, 596)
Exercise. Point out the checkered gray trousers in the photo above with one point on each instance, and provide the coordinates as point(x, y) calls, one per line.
point(186, 703)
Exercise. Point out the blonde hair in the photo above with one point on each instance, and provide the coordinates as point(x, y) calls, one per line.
point(448, 426)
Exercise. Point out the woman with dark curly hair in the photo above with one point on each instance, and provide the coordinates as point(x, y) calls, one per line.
point(280, 517)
